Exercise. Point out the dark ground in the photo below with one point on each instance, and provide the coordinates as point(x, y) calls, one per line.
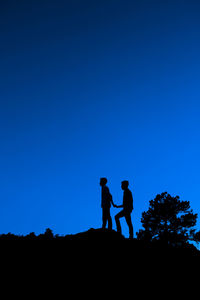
point(103, 264)
point(98, 238)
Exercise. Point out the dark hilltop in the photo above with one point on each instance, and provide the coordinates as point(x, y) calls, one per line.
point(108, 238)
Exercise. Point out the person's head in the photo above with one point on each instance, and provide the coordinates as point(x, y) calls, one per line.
point(124, 184)
point(103, 181)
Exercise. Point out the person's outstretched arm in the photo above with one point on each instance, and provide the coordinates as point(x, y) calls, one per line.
point(113, 204)
point(119, 206)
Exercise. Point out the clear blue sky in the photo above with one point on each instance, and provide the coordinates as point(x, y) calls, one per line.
point(91, 89)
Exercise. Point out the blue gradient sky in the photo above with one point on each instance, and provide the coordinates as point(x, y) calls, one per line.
point(90, 89)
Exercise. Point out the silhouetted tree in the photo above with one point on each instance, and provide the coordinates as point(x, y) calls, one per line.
point(48, 234)
point(169, 220)
point(30, 236)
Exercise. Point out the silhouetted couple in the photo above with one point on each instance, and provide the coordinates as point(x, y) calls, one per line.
point(106, 201)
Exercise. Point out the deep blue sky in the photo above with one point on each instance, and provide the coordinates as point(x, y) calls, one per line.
point(90, 89)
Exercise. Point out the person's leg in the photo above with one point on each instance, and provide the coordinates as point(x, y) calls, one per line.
point(129, 223)
point(104, 218)
point(109, 220)
point(117, 217)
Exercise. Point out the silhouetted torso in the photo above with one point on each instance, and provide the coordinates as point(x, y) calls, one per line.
point(105, 199)
point(127, 200)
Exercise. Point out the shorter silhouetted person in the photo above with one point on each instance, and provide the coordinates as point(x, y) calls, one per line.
point(127, 209)
point(106, 201)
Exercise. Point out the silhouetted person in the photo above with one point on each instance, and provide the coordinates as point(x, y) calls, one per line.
point(106, 200)
point(127, 209)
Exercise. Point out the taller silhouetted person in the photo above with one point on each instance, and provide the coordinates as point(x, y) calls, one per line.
point(127, 209)
point(106, 200)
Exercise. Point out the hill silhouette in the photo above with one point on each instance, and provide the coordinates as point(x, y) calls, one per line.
point(104, 238)
point(92, 235)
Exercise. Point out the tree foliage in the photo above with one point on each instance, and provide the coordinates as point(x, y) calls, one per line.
point(170, 220)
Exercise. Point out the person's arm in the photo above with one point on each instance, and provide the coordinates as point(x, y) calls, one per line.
point(119, 206)
point(113, 204)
